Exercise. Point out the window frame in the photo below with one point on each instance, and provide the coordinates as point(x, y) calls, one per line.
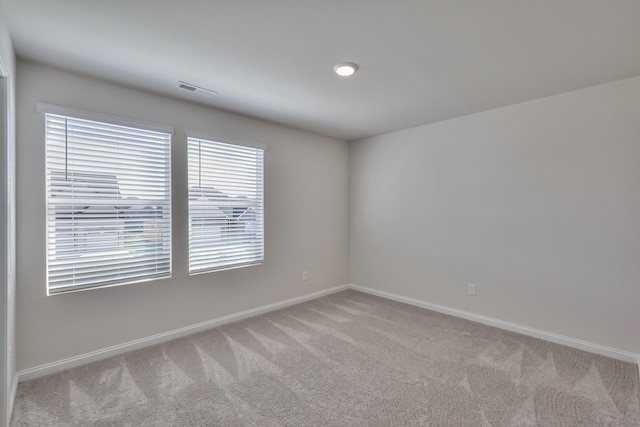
point(246, 144)
point(72, 113)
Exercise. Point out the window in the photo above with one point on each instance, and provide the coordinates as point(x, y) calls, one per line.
point(108, 204)
point(226, 205)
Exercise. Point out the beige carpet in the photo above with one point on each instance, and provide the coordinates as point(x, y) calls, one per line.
point(349, 359)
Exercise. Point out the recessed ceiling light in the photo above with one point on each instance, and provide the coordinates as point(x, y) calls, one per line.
point(345, 69)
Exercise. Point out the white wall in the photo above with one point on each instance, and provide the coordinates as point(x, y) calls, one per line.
point(7, 230)
point(537, 203)
point(306, 224)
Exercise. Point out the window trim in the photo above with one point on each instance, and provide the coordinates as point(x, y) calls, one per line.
point(58, 110)
point(213, 138)
point(44, 109)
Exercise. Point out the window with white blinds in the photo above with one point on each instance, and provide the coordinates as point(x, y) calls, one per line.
point(108, 204)
point(226, 205)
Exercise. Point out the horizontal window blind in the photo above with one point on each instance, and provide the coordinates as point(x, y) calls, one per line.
point(226, 205)
point(108, 204)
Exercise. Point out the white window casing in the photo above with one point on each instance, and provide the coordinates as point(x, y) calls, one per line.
point(226, 205)
point(108, 201)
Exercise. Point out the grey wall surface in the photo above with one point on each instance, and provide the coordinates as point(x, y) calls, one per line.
point(538, 204)
point(306, 224)
point(7, 233)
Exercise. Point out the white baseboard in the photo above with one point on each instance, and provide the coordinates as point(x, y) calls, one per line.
point(513, 327)
point(83, 359)
point(51, 368)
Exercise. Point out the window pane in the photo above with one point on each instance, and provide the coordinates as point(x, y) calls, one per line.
point(226, 205)
point(108, 204)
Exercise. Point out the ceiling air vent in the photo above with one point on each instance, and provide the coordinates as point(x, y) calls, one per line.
point(195, 89)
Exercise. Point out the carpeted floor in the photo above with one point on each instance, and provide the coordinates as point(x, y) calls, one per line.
point(349, 359)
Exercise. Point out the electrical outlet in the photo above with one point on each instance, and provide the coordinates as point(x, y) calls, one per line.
point(471, 289)
point(305, 275)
